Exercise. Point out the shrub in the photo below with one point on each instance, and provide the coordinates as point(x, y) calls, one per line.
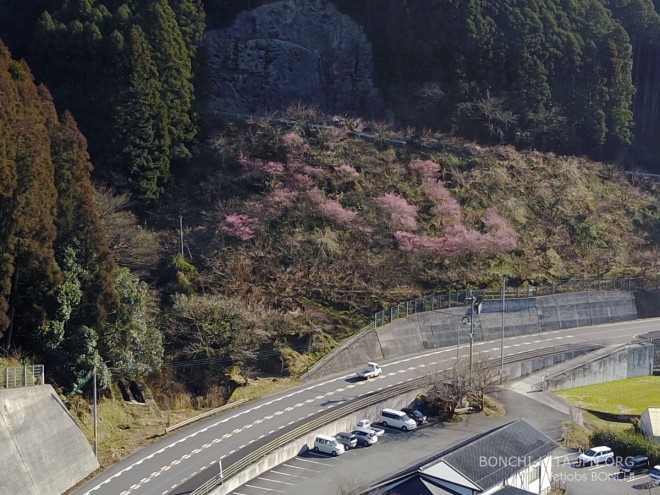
point(628, 443)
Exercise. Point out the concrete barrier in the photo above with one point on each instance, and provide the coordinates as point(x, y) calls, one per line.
point(433, 329)
point(42, 450)
point(618, 363)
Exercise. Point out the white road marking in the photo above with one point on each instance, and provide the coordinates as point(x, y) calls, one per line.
point(298, 467)
point(287, 474)
point(313, 462)
point(275, 481)
point(266, 489)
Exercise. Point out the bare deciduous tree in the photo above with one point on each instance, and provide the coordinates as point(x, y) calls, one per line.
point(132, 245)
point(484, 377)
point(450, 391)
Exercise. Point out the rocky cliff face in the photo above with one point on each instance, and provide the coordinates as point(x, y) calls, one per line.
point(292, 51)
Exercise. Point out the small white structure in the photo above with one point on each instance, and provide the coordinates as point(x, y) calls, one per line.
point(650, 423)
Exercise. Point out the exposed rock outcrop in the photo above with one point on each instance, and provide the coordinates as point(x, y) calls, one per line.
point(288, 52)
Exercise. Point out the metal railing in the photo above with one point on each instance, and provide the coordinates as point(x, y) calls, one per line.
point(25, 376)
point(374, 398)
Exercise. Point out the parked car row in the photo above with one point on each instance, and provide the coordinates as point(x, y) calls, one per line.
point(365, 434)
point(629, 466)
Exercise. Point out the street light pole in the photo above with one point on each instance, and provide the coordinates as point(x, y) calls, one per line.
point(471, 338)
point(502, 336)
point(471, 301)
point(96, 438)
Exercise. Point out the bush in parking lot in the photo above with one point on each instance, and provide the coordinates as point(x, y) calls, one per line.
point(628, 443)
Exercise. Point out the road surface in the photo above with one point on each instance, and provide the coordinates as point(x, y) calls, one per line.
point(165, 467)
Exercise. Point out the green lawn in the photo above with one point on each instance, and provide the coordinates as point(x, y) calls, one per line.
point(631, 396)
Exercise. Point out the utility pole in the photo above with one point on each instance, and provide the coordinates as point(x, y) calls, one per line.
point(96, 438)
point(471, 337)
point(502, 336)
point(470, 300)
point(181, 233)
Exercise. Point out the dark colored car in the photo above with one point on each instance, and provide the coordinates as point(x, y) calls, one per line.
point(637, 464)
point(348, 440)
point(416, 415)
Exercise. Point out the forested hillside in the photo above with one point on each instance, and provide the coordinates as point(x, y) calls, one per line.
point(296, 227)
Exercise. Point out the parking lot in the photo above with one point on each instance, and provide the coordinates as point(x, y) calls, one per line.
point(603, 479)
point(323, 474)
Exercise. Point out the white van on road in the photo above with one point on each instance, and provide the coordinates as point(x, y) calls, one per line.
point(397, 419)
point(328, 445)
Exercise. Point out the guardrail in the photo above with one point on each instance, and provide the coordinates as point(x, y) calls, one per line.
point(371, 399)
point(24, 376)
point(205, 415)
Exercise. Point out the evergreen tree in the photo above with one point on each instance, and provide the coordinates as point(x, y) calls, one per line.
point(140, 126)
point(30, 272)
point(191, 19)
point(78, 224)
point(173, 64)
point(97, 40)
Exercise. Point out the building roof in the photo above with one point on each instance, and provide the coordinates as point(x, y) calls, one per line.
point(417, 485)
point(500, 453)
point(504, 451)
point(512, 490)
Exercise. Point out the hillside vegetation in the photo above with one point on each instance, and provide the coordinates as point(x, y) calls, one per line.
point(298, 233)
point(296, 230)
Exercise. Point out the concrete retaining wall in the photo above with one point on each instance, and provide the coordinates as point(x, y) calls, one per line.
point(422, 331)
point(581, 309)
point(648, 303)
point(629, 362)
point(42, 450)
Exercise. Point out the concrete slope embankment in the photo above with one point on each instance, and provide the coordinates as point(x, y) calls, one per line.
point(42, 450)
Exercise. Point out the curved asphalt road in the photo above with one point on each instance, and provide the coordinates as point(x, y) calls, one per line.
point(164, 467)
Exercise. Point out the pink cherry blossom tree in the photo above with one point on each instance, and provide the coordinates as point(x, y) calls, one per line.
point(402, 213)
point(446, 207)
point(425, 169)
point(334, 210)
point(240, 226)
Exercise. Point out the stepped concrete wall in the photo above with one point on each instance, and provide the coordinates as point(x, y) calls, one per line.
point(628, 362)
point(429, 330)
point(42, 450)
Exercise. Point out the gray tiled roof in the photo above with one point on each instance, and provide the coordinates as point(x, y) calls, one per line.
point(512, 490)
point(417, 485)
point(504, 451)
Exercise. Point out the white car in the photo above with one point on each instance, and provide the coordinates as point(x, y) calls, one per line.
point(365, 437)
point(366, 424)
point(328, 445)
point(596, 455)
